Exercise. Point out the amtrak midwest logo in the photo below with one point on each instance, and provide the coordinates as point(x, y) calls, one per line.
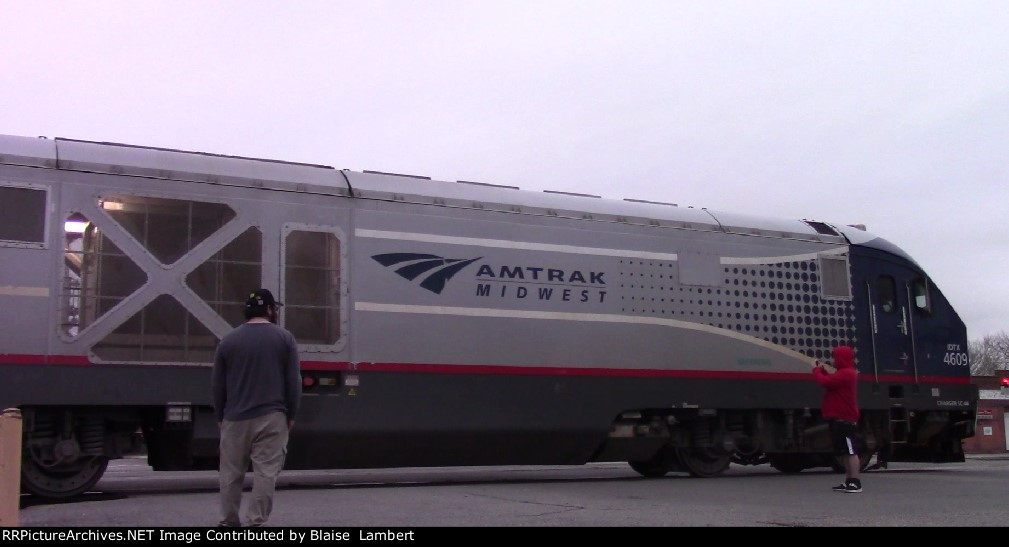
point(506, 281)
point(414, 265)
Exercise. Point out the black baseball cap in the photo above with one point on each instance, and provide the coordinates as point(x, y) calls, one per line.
point(261, 298)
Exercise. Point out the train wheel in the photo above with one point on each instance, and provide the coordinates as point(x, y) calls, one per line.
point(704, 462)
point(758, 458)
point(788, 463)
point(661, 463)
point(837, 464)
point(748, 453)
point(63, 481)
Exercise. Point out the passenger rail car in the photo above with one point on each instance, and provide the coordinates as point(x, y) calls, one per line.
point(448, 323)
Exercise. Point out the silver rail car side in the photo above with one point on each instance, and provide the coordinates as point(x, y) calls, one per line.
point(448, 323)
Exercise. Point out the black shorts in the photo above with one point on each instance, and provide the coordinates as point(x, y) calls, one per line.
point(842, 434)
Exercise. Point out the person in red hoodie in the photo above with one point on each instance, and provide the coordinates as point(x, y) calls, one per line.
point(840, 408)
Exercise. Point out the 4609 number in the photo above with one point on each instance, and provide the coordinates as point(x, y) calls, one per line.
point(955, 359)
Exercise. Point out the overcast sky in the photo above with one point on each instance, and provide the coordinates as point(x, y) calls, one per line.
point(891, 114)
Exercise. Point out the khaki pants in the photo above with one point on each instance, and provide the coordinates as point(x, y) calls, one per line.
point(263, 441)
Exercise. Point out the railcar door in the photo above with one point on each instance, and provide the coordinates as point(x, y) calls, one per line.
point(893, 296)
point(891, 332)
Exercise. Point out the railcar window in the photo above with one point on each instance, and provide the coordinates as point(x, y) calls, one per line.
point(312, 286)
point(22, 215)
point(223, 280)
point(168, 228)
point(97, 275)
point(834, 281)
point(886, 294)
point(162, 332)
point(919, 290)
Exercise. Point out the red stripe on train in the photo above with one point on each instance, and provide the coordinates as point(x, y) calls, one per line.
point(572, 371)
point(16, 359)
point(653, 373)
point(424, 368)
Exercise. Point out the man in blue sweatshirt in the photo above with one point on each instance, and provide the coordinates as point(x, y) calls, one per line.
point(256, 384)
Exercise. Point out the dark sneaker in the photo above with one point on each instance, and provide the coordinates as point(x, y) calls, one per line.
point(853, 487)
point(840, 488)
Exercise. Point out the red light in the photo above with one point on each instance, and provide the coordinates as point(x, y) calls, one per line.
point(1005, 382)
point(308, 381)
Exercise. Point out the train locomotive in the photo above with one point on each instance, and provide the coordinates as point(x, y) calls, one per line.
point(449, 323)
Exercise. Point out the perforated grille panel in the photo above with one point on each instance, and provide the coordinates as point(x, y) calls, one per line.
point(781, 302)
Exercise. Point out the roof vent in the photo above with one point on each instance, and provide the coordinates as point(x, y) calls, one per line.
point(652, 202)
point(822, 228)
point(571, 194)
point(396, 174)
point(488, 184)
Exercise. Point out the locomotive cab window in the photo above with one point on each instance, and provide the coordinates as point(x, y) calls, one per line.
point(22, 216)
point(886, 294)
point(920, 296)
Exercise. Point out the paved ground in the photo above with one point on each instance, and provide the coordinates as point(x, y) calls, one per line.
point(610, 495)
